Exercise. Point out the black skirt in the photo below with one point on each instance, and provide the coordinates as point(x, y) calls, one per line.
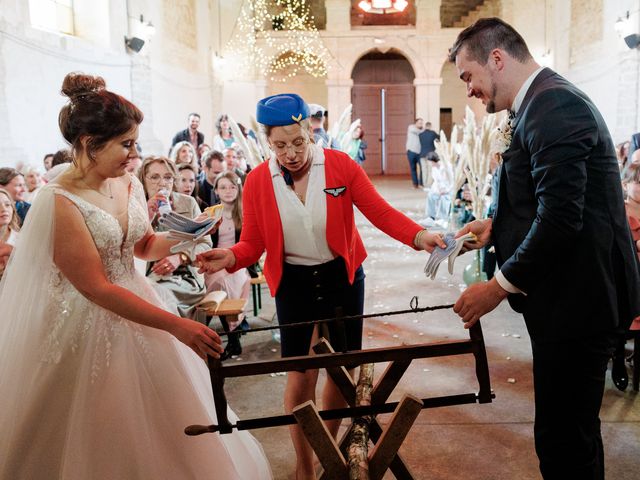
point(316, 292)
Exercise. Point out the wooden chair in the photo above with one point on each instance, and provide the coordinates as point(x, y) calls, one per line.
point(256, 290)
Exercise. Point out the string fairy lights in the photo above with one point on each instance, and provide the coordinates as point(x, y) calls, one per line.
point(279, 38)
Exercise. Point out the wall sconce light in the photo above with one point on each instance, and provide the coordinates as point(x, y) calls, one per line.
point(622, 24)
point(148, 28)
point(218, 61)
point(632, 40)
point(134, 43)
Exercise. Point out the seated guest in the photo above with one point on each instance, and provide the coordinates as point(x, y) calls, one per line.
point(224, 138)
point(356, 146)
point(9, 227)
point(133, 167)
point(243, 164)
point(33, 180)
point(13, 182)
point(214, 164)
point(187, 183)
point(202, 149)
point(231, 159)
point(178, 280)
point(46, 161)
point(439, 196)
point(317, 117)
point(61, 161)
point(631, 184)
point(228, 188)
point(184, 153)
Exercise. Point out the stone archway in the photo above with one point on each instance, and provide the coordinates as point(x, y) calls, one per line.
point(383, 97)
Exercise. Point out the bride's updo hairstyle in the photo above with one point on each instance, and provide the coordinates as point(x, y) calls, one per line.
point(94, 112)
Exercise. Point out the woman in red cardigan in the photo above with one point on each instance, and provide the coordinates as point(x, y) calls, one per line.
point(298, 206)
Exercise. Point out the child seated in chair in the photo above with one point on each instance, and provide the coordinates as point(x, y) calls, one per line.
point(228, 188)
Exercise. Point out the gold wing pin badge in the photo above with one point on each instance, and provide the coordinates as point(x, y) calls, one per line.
point(296, 119)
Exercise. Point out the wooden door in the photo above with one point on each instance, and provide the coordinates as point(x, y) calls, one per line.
point(366, 107)
point(399, 114)
point(446, 121)
point(400, 102)
point(392, 72)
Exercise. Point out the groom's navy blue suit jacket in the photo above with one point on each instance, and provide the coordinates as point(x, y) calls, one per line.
point(560, 229)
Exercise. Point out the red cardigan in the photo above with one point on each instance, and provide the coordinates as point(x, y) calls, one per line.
point(262, 228)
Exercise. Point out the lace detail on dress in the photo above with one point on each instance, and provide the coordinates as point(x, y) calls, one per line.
point(74, 315)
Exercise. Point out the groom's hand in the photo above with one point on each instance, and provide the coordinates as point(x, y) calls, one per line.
point(481, 229)
point(478, 300)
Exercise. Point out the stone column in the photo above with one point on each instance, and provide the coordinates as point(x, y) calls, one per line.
point(338, 97)
point(338, 15)
point(141, 95)
point(428, 100)
point(427, 16)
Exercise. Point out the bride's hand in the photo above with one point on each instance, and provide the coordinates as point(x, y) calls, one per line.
point(215, 260)
point(167, 265)
point(198, 337)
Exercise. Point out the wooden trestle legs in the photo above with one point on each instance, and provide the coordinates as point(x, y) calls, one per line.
point(333, 456)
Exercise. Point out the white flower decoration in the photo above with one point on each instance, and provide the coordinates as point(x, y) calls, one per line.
point(502, 139)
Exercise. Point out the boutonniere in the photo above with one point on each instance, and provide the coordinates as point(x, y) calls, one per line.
point(502, 139)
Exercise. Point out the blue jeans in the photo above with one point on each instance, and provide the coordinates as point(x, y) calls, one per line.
point(414, 162)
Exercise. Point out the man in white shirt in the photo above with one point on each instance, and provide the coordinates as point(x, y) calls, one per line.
point(413, 151)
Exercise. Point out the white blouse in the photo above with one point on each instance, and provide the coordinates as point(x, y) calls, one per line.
point(304, 226)
point(13, 238)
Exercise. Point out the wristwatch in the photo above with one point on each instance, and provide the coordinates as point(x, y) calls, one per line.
point(184, 258)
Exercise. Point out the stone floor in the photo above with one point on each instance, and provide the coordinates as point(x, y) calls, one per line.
point(472, 442)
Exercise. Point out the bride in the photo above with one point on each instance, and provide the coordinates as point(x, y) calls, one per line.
point(96, 379)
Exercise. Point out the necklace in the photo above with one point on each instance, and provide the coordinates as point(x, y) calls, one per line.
point(110, 196)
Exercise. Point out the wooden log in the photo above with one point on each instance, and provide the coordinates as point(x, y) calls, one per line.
point(359, 440)
point(392, 438)
point(320, 439)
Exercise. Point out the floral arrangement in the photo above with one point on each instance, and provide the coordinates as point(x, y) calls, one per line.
point(449, 153)
point(477, 147)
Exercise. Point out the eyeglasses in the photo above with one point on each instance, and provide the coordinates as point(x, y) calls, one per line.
point(159, 178)
point(298, 146)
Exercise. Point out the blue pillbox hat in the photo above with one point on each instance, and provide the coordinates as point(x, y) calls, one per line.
point(281, 109)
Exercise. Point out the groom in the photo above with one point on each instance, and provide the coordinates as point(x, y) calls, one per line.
point(561, 239)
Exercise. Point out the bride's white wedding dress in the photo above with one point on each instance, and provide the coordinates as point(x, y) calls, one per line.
point(86, 394)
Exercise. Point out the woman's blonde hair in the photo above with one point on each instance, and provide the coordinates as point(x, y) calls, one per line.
point(14, 223)
point(175, 151)
point(142, 174)
point(236, 213)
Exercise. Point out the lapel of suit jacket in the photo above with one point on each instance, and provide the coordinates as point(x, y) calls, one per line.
point(542, 76)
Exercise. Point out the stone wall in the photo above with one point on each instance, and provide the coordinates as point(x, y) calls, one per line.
point(165, 81)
